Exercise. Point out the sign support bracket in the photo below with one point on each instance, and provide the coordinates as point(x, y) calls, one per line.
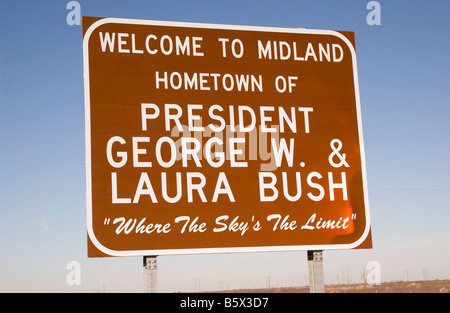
point(150, 274)
point(315, 271)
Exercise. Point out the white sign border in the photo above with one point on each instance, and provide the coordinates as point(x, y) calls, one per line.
point(89, 224)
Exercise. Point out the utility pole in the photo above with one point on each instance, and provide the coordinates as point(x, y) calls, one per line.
point(425, 274)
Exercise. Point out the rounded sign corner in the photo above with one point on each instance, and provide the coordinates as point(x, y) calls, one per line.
point(349, 44)
point(98, 245)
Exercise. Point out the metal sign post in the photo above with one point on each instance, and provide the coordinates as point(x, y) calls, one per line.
point(150, 274)
point(315, 269)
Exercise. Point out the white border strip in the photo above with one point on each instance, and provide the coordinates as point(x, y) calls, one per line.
point(213, 250)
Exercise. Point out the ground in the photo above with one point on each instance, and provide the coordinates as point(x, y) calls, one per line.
point(429, 286)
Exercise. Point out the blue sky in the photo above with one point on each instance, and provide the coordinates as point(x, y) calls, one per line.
point(404, 77)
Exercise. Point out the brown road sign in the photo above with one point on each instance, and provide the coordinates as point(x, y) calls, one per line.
point(205, 138)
